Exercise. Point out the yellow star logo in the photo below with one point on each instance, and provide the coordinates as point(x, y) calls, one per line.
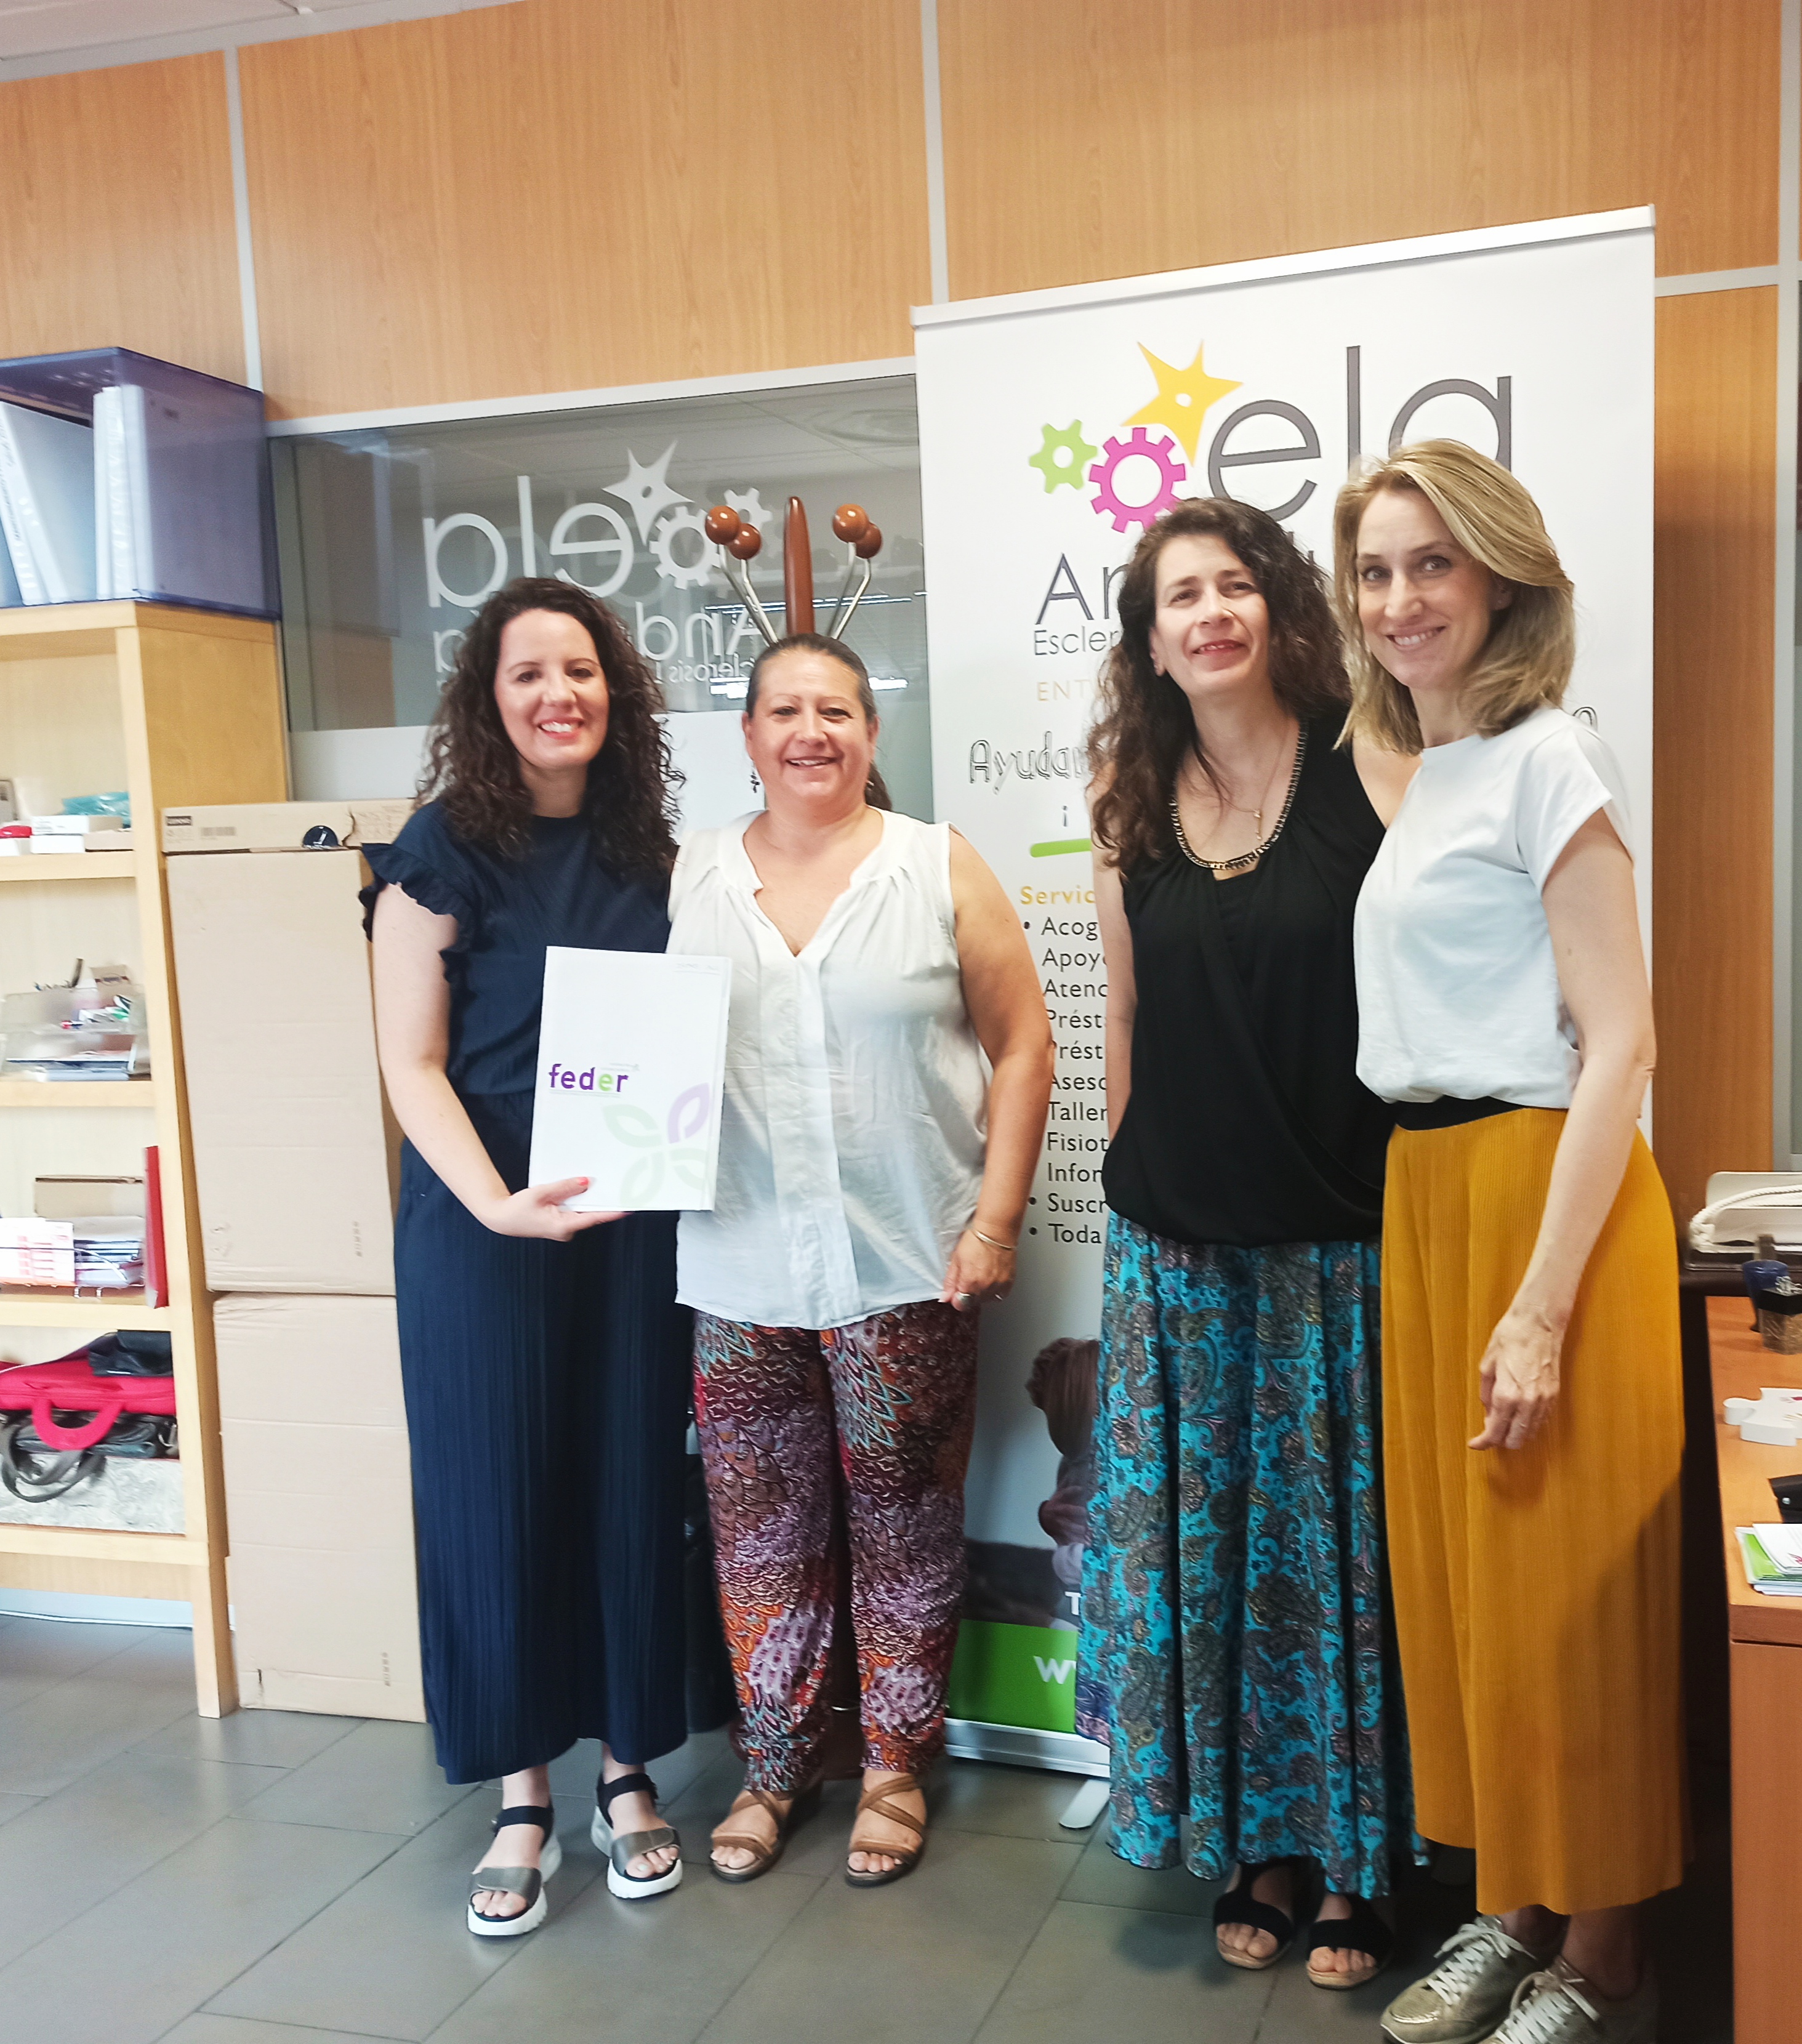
point(1183, 398)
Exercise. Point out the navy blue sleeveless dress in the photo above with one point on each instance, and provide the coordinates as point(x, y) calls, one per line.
point(547, 1383)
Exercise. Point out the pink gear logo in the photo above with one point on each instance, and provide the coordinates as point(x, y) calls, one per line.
point(1109, 504)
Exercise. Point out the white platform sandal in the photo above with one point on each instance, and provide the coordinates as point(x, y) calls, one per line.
point(526, 1882)
point(623, 1847)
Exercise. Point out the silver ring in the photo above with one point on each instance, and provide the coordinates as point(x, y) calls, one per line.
point(963, 1295)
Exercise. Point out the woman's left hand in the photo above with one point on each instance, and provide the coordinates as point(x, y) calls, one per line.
point(978, 1273)
point(1519, 1384)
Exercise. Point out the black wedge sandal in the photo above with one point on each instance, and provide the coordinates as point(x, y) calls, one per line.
point(1238, 1905)
point(623, 1847)
point(526, 1882)
point(1363, 1930)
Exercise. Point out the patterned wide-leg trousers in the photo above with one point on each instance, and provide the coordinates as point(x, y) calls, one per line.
point(835, 1469)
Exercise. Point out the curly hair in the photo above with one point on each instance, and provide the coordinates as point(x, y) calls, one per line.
point(1145, 728)
point(472, 769)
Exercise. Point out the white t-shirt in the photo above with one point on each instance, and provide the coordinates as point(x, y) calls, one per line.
point(1458, 991)
point(854, 1122)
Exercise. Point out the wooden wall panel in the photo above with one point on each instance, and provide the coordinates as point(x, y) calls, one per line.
point(1137, 135)
point(1712, 903)
point(116, 227)
point(556, 195)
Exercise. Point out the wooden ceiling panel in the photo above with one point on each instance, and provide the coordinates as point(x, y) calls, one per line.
point(1132, 136)
point(557, 196)
point(116, 228)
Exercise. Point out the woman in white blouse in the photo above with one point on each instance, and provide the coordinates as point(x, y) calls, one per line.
point(1532, 1394)
point(872, 1182)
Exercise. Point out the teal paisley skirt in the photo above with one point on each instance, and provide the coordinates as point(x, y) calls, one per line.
point(1237, 1654)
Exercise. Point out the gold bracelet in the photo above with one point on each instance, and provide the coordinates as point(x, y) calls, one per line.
point(1012, 1248)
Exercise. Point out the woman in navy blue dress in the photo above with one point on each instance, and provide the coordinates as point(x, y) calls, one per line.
point(544, 1358)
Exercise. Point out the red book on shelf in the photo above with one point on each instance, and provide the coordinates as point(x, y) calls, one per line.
point(155, 1277)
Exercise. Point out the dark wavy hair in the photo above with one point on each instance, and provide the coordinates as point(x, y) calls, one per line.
point(1144, 729)
point(875, 789)
point(472, 769)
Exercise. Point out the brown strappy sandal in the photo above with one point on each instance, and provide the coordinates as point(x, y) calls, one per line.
point(768, 1851)
point(908, 1857)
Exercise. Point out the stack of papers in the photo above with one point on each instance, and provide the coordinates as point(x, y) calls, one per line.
point(101, 1252)
point(93, 1030)
point(108, 1251)
point(79, 1065)
point(63, 834)
point(1773, 1555)
point(36, 1252)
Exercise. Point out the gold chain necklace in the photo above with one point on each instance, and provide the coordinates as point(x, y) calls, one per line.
point(1258, 851)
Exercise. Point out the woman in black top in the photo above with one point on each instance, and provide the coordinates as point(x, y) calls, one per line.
point(544, 1358)
point(1235, 1654)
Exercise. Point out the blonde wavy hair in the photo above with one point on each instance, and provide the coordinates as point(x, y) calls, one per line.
point(1527, 661)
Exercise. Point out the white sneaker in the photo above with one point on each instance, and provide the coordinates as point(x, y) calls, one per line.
point(1468, 1993)
point(1560, 2007)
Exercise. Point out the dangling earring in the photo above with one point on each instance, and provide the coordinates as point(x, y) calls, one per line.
point(756, 786)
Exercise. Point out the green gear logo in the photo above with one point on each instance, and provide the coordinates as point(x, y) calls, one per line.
point(1064, 458)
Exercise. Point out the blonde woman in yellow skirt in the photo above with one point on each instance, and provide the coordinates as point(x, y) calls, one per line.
point(1532, 1415)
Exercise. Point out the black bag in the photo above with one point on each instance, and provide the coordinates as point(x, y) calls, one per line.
point(35, 1473)
point(132, 1352)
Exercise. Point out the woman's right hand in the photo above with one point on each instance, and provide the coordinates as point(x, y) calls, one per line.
point(538, 1211)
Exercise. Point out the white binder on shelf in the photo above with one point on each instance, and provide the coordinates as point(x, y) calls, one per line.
point(102, 503)
point(114, 556)
point(18, 547)
point(11, 592)
point(47, 477)
point(631, 1056)
point(134, 551)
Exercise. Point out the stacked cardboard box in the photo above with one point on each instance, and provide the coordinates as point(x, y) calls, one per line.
point(295, 1160)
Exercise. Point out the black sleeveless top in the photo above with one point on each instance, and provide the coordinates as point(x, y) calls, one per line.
point(1246, 1123)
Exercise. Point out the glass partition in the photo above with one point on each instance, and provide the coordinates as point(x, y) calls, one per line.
point(392, 536)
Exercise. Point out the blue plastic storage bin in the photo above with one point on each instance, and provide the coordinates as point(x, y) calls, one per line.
point(189, 479)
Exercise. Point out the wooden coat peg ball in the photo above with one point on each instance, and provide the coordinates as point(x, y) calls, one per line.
point(850, 523)
point(870, 543)
point(725, 529)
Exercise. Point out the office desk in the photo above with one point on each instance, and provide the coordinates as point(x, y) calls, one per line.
point(1765, 1651)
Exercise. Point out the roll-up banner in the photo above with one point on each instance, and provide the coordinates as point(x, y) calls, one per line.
point(1054, 425)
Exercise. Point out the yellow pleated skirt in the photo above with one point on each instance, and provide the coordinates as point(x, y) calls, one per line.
point(1536, 1589)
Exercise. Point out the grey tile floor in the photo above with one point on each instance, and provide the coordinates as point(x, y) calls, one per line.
point(276, 1879)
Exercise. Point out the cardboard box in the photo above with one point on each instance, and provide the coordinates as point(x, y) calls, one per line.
point(71, 1198)
point(285, 826)
point(296, 1160)
point(319, 1502)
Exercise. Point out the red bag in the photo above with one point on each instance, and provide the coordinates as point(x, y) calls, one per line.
point(69, 1385)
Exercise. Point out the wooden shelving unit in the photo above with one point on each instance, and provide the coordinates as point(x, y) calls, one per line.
point(112, 1094)
point(23, 1308)
point(40, 866)
point(182, 707)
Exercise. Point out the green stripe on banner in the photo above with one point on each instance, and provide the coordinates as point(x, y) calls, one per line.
point(1056, 848)
point(1014, 1675)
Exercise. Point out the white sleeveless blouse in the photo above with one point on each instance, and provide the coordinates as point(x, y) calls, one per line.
point(854, 1126)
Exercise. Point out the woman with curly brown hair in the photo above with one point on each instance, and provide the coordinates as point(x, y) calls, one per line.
point(544, 1358)
point(1235, 1654)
